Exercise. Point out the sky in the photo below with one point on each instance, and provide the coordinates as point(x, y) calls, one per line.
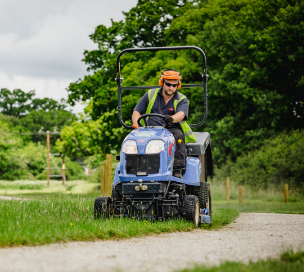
point(42, 42)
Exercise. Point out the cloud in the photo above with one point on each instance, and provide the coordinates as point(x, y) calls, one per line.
point(42, 42)
point(50, 87)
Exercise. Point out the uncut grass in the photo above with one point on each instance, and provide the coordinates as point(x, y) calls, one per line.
point(288, 261)
point(54, 219)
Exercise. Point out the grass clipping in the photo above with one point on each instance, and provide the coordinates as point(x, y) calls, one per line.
point(66, 219)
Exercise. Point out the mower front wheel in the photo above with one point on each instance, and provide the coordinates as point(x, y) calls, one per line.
point(191, 209)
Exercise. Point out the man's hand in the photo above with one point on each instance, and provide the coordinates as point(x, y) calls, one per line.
point(169, 120)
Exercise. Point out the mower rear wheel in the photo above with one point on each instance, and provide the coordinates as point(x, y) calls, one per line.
point(191, 209)
point(102, 206)
point(203, 195)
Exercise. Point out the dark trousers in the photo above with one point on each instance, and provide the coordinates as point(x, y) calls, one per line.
point(181, 151)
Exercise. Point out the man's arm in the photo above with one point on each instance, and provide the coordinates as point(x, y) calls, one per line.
point(135, 117)
point(177, 117)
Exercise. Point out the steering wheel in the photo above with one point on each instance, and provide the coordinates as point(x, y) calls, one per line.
point(147, 115)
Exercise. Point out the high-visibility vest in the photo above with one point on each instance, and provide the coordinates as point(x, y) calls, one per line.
point(189, 136)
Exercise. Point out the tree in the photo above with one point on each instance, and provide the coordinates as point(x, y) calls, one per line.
point(53, 120)
point(144, 25)
point(254, 53)
point(15, 103)
point(19, 103)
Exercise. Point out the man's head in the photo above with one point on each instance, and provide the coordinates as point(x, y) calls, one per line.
point(170, 81)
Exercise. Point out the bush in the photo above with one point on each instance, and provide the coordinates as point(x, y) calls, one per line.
point(278, 160)
point(23, 163)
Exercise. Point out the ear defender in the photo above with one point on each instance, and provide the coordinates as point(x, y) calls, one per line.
point(161, 82)
point(170, 74)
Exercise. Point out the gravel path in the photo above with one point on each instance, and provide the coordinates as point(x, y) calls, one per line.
point(252, 236)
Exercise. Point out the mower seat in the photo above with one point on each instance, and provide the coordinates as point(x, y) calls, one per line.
point(202, 141)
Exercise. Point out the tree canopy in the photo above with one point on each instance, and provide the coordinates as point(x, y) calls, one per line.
point(254, 52)
point(19, 103)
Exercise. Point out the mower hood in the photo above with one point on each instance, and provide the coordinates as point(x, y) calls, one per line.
point(143, 135)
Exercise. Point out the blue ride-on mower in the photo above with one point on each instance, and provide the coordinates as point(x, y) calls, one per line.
point(144, 186)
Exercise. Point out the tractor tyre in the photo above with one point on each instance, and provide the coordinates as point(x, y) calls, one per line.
point(203, 195)
point(102, 207)
point(192, 209)
point(115, 197)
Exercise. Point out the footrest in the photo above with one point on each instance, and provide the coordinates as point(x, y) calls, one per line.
point(205, 219)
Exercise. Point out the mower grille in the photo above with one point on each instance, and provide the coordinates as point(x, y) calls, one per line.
point(142, 165)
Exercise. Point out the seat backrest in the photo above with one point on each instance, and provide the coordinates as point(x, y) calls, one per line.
point(202, 141)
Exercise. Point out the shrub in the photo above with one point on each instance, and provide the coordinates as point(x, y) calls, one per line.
point(278, 160)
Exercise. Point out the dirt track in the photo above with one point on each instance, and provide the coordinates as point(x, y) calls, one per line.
point(252, 237)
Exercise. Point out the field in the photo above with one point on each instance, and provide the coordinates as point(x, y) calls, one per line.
point(53, 214)
point(262, 201)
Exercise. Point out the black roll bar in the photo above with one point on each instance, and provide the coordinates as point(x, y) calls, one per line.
point(120, 79)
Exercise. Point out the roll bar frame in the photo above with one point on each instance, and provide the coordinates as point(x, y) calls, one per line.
point(119, 79)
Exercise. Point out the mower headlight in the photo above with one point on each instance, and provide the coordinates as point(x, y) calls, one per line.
point(155, 147)
point(129, 147)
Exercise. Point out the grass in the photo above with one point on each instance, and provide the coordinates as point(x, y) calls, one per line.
point(23, 187)
point(262, 201)
point(288, 261)
point(56, 213)
point(53, 218)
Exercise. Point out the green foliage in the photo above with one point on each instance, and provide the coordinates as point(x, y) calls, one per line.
point(22, 113)
point(254, 53)
point(255, 85)
point(288, 261)
point(33, 114)
point(277, 161)
point(85, 138)
point(66, 219)
point(52, 120)
point(21, 159)
point(23, 163)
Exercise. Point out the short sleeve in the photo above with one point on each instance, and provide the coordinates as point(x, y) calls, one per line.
point(142, 105)
point(184, 107)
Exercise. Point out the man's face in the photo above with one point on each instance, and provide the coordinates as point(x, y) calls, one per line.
point(170, 91)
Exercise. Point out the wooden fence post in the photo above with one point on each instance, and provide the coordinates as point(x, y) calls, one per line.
point(109, 176)
point(241, 194)
point(102, 180)
point(286, 193)
point(228, 189)
point(106, 169)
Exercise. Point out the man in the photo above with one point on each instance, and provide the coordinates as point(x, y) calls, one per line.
point(169, 102)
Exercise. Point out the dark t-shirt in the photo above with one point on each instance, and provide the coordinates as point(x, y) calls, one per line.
point(160, 108)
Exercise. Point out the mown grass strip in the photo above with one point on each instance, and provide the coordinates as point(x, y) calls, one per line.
point(288, 261)
point(66, 219)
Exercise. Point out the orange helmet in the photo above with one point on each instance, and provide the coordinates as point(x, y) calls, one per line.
point(170, 74)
